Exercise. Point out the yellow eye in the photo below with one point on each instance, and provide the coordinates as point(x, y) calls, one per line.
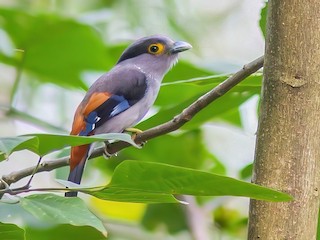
point(156, 48)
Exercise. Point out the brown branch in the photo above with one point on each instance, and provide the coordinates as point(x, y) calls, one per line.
point(186, 115)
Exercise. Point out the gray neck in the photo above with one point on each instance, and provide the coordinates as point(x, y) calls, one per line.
point(151, 66)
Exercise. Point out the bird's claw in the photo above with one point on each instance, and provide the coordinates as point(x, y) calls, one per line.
point(142, 144)
point(135, 132)
point(106, 153)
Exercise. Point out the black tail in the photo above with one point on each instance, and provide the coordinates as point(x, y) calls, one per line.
point(75, 176)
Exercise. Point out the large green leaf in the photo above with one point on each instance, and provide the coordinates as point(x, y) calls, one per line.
point(64, 231)
point(11, 232)
point(157, 178)
point(43, 144)
point(55, 49)
point(52, 142)
point(133, 195)
point(54, 209)
point(12, 212)
point(37, 215)
point(12, 144)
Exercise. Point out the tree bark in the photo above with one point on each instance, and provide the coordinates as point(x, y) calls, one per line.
point(287, 154)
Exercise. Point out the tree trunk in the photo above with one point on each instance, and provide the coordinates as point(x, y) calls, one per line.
point(288, 141)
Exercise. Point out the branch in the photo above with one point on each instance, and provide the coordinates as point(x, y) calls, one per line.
point(177, 122)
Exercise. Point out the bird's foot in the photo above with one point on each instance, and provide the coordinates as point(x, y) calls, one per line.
point(106, 154)
point(135, 132)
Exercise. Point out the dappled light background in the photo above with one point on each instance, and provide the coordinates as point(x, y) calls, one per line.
point(53, 66)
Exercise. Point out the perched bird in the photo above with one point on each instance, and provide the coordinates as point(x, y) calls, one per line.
point(120, 98)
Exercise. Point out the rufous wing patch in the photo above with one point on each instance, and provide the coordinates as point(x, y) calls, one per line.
point(94, 102)
point(79, 124)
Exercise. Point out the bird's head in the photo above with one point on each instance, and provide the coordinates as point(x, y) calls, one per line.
point(154, 54)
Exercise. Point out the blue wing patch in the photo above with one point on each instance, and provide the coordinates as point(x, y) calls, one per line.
point(113, 106)
point(91, 120)
point(122, 105)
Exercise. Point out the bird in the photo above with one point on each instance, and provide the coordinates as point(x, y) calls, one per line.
point(120, 98)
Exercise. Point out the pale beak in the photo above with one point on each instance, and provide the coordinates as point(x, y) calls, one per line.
point(180, 46)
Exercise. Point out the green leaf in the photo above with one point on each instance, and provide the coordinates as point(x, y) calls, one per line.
point(172, 215)
point(54, 209)
point(232, 117)
point(36, 215)
point(64, 231)
point(52, 142)
point(195, 87)
point(11, 212)
point(219, 109)
point(216, 110)
point(229, 219)
point(246, 172)
point(58, 50)
point(253, 80)
point(190, 90)
point(11, 232)
point(156, 178)
point(263, 19)
point(171, 149)
point(185, 70)
point(9, 145)
point(43, 144)
point(55, 49)
point(133, 195)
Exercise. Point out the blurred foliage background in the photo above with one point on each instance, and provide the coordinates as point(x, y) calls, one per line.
point(52, 50)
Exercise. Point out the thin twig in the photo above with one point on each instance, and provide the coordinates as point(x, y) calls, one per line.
point(50, 189)
point(186, 115)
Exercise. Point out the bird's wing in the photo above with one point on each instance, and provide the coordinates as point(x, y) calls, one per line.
point(124, 90)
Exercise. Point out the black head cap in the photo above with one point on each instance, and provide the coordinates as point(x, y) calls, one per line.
point(142, 45)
